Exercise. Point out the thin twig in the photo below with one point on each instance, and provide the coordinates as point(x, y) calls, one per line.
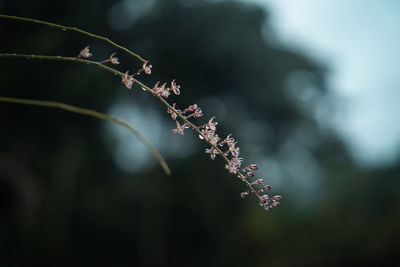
point(69, 28)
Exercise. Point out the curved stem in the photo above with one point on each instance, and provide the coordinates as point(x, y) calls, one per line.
point(68, 28)
point(92, 113)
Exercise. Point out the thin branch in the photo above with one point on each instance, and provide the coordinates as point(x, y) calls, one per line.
point(92, 113)
point(68, 28)
point(59, 58)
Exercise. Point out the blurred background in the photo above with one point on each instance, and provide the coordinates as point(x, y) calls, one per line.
point(310, 90)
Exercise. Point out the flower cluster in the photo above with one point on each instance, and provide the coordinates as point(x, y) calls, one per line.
point(165, 91)
point(227, 148)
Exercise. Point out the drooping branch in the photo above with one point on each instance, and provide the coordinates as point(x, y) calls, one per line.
point(95, 114)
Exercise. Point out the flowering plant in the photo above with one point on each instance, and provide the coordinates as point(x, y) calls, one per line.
point(226, 148)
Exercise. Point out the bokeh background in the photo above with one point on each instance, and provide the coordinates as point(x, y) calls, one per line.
point(76, 191)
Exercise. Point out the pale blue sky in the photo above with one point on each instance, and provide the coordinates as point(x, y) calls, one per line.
point(360, 39)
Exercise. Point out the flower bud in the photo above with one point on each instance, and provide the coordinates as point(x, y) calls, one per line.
point(253, 167)
point(277, 198)
point(258, 181)
point(244, 194)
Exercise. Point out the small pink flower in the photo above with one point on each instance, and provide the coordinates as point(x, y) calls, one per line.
point(250, 175)
point(212, 125)
point(253, 167)
point(228, 141)
point(198, 113)
point(173, 114)
point(210, 136)
point(233, 150)
point(161, 90)
point(179, 129)
point(244, 194)
point(113, 60)
point(212, 152)
point(147, 68)
point(165, 93)
point(238, 161)
point(175, 87)
point(265, 187)
point(190, 108)
point(214, 139)
point(250, 167)
point(276, 198)
point(232, 167)
point(127, 80)
point(85, 53)
point(258, 181)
